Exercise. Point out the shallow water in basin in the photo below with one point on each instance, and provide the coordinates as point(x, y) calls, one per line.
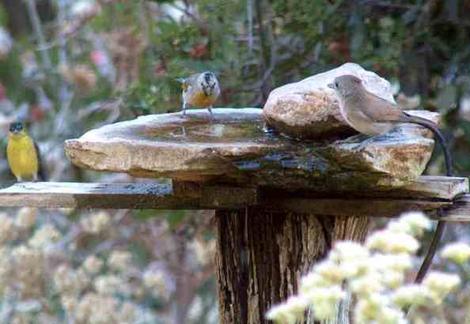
point(211, 132)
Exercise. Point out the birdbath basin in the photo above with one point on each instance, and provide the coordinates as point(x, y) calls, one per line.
point(235, 147)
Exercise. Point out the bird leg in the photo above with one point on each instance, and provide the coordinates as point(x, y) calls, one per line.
point(210, 112)
point(185, 105)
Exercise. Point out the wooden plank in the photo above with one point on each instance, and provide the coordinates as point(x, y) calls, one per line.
point(194, 196)
point(459, 211)
point(439, 187)
point(124, 196)
point(435, 187)
point(425, 187)
point(372, 207)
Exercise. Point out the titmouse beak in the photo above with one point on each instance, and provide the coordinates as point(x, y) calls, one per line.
point(331, 85)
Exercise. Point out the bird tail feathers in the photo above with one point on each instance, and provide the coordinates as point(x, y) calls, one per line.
point(440, 138)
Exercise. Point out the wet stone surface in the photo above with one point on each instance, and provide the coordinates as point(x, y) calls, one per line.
point(235, 147)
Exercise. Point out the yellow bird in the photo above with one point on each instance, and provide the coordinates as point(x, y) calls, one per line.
point(23, 155)
point(200, 90)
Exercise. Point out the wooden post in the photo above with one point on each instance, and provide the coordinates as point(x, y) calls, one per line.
point(261, 256)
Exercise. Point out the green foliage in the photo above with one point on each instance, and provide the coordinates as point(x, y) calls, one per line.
point(3, 16)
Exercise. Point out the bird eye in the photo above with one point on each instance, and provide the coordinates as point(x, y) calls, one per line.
point(336, 84)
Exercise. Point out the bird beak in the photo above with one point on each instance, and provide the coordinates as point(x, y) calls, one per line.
point(331, 85)
point(180, 80)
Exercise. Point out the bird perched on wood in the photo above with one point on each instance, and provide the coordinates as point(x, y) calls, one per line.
point(23, 155)
point(200, 91)
point(372, 115)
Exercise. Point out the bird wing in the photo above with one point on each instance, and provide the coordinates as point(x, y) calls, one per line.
point(189, 82)
point(381, 110)
point(5, 152)
point(192, 79)
point(42, 174)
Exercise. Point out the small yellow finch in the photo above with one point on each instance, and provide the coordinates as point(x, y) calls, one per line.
point(23, 155)
point(200, 90)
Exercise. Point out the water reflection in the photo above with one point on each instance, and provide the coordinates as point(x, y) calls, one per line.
point(198, 131)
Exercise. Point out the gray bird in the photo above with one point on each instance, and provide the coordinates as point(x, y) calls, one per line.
point(372, 115)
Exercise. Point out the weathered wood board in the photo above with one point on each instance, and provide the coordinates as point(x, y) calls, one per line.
point(426, 194)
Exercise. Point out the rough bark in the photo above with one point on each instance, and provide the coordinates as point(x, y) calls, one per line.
point(261, 256)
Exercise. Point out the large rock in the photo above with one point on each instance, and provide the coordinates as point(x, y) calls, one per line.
point(309, 109)
point(236, 148)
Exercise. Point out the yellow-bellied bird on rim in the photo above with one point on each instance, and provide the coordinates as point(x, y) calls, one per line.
point(23, 155)
point(200, 91)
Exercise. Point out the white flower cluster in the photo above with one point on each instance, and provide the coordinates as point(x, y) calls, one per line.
point(7, 231)
point(26, 218)
point(103, 287)
point(96, 308)
point(91, 293)
point(120, 260)
point(157, 283)
point(374, 275)
point(92, 265)
point(96, 223)
point(44, 236)
point(457, 252)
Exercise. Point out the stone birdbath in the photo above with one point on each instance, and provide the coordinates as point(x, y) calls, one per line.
point(280, 202)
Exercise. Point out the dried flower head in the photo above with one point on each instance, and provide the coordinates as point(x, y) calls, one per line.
point(457, 252)
point(203, 250)
point(120, 260)
point(7, 229)
point(95, 308)
point(414, 223)
point(392, 242)
point(69, 281)
point(329, 271)
point(280, 314)
point(289, 312)
point(28, 271)
point(367, 285)
point(26, 218)
point(110, 285)
point(370, 309)
point(325, 301)
point(409, 295)
point(156, 281)
point(96, 223)
point(440, 284)
point(92, 265)
point(45, 235)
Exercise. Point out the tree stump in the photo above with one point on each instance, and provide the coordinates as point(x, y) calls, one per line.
point(261, 256)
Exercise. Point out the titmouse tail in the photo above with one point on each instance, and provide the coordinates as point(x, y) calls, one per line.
point(440, 224)
point(436, 238)
point(440, 138)
point(42, 174)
